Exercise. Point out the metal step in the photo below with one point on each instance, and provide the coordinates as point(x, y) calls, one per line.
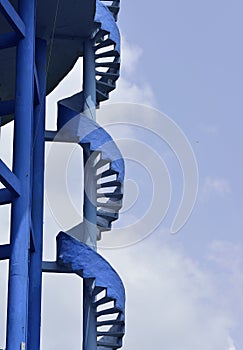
point(101, 96)
point(104, 300)
point(111, 53)
point(97, 290)
point(106, 214)
point(110, 195)
point(114, 10)
point(110, 323)
point(109, 184)
point(108, 75)
point(108, 173)
point(111, 204)
point(109, 345)
point(115, 65)
point(104, 86)
point(99, 35)
point(104, 43)
point(103, 224)
point(113, 310)
point(101, 163)
point(110, 334)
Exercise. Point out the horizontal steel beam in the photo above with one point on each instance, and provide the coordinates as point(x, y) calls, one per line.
point(53, 266)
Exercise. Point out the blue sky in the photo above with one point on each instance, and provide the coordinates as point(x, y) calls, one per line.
point(189, 66)
point(184, 291)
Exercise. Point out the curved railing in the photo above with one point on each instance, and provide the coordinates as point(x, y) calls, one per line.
point(107, 292)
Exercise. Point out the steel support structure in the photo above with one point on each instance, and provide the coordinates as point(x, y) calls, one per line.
point(90, 195)
point(24, 184)
point(21, 213)
point(35, 273)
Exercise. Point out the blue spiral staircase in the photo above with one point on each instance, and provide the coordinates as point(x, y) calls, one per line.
point(57, 39)
point(107, 291)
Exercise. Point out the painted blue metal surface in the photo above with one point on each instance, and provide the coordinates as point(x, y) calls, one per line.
point(107, 23)
point(20, 223)
point(84, 260)
point(35, 273)
point(9, 180)
point(74, 23)
point(99, 277)
point(13, 17)
point(76, 33)
point(90, 132)
point(6, 197)
point(89, 84)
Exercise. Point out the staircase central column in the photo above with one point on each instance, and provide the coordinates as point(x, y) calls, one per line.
point(90, 196)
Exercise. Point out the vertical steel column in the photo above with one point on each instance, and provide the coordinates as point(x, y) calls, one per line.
point(20, 219)
point(89, 82)
point(35, 283)
point(90, 198)
point(89, 88)
point(89, 317)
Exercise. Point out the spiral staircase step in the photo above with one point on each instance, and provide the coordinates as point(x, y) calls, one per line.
point(115, 65)
point(103, 300)
point(111, 204)
point(104, 86)
point(101, 96)
point(108, 345)
point(111, 53)
point(110, 334)
point(104, 43)
point(103, 224)
point(110, 311)
point(110, 322)
point(108, 75)
point(109, 184)
point(110, 195)
point(110, 216)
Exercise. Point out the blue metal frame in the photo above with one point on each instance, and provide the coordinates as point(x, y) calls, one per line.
point(35, 273)
point(25, 182)
point(21, 212)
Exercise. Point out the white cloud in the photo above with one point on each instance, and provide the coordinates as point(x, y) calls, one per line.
point(130, 54)
point(226, 260)
point(128, 91)
point(214, 186)
point(172, 302)
point(129, 88)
